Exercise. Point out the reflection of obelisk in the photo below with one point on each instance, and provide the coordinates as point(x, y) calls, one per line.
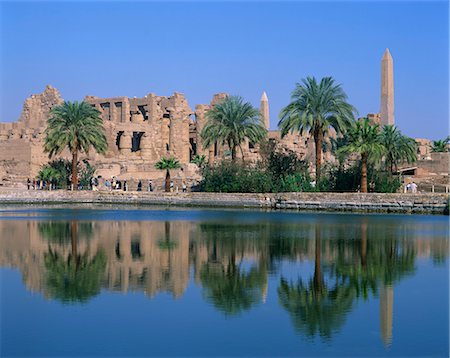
point(386, 308)
point(387, 89)
point(264, 108)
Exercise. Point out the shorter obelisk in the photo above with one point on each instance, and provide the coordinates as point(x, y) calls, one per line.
point(387, 89)
point(264, 109)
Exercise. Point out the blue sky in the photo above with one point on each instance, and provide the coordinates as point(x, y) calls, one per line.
point(201, 48)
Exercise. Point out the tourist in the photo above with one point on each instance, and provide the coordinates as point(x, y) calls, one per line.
point(150, 186)
point(413, 188)
point(125, 185)
point(184, 187)
point(107, 184)
point(28, 183)
point(408, 187)
point(118, 185)
point(171, 186)
point(139, 186)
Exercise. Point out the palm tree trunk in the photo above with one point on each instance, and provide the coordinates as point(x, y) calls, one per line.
point(74, 170)
point(318, 140)
point(167, 232)
point(74, 242)
point(364, 173)
point(233, 153)
point(242, 153)
point(364, 243)
point(318, 279)
point(167, 181)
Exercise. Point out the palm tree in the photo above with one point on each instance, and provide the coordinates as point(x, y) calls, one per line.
point(49, 175)
point(440, 146)
point(76, 126)
point(397, 146)
point(365, 140)
point(167, 164)
point(316, 107)
point(199, 160)
point(232, 121)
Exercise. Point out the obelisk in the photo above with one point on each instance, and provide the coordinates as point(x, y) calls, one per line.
point(387, 89)
point(264, 109)
point(386, 313)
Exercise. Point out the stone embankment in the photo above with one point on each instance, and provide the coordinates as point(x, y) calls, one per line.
point(392, 203)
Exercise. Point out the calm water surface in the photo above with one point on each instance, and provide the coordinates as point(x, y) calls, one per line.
point(135, 282)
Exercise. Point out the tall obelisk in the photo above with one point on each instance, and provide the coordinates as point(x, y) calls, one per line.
point(264, 109)
point(387, 89)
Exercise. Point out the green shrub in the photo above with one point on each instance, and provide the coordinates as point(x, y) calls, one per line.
point(57, 172)
point(229, 177)
point(86, 172)
point(349, 180)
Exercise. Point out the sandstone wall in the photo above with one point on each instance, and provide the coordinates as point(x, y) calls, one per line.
point(357, 202)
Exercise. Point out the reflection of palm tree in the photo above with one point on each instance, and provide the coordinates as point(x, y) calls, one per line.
point(316, 307)
point(59, 232)
point(77, 278)
point(316, 311)
point(382, 261)
point(167, 243)
point(231, 290)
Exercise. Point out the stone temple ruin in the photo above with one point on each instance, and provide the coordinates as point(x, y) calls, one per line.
point(140, 131)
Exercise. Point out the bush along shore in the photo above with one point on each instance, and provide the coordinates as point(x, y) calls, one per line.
point(352, 202)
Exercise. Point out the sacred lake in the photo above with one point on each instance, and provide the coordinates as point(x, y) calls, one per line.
point(140, 281)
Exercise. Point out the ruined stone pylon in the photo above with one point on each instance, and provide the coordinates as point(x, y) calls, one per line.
point(264, 108)
point(387, 89)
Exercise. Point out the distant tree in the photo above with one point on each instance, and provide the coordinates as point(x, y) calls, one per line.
point(86, 173)
point(314, 108)
point(49, 175)
point(199, 160)
point(167, 164)
point(364, 139)
point(232, 121)
point(440, 146)
point(397, 147)
point(76, 126)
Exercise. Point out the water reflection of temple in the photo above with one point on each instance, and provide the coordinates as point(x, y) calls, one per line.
point(158, 256)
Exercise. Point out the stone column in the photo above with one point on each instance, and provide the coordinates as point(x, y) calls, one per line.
point(200, 112)
point(147, 149)
point(125, 142)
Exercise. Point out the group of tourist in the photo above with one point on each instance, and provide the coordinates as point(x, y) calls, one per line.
point(114, 184)
point(411, 188)
point(40, 185)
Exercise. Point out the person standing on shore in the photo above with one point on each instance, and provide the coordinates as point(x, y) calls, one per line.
point(139, 186)
point(150, 186)
point(28, 183)
point(125, 185)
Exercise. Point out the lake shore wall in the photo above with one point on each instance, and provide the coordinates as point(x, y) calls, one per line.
point(426, 203)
